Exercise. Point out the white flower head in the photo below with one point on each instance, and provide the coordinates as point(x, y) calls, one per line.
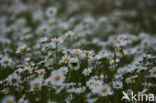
point(8, 99)
point(57, 78)
point(64, 70)
point(153, 72)
point(69, 34)
point(74, 63)
point(117, 84)
point(56, 41)
point(20, 49)
point(105, 90)
point(14, 79)
point(41, 72)
point(94, 85)
point(36, 84)
point(64, 59)
point(80, 90)
point(87, 71)
point(94, 58)
point(5, 61)
point(76, 51)
point(51, 11)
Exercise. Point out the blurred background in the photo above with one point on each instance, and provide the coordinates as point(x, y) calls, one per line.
point(137, 15)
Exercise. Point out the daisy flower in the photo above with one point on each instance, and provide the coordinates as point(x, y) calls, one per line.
point(153, 72)
point(64, 59)
point(80, 90)
point(76, 51)
point(64, 70)
point(94, 85)
point(20, 49)
point(69, 34)
point(102, 56)
point(5, 61)
point(113, 61)
point(74, 64)
point(66, 51)
point(8, 99)
point(57, 78)
point(4, 91)
point(111, 56)
point(51, 11)
point(133, 77)
point(94, 58)
point(123, 70)
point(14, 79)
point(117, 84)
point(90, 82)
point(35, 84)
point(105, 90)
point(87, 71)
point(41, 72)
point(56, 41)
point(87, 53)
point(129, 81)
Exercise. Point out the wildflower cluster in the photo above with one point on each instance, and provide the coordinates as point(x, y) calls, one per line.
point(63, 60)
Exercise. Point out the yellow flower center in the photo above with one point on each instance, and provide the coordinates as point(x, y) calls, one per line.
point(121, 53)
point(129, 81)
point(117, 85)
point(91, 83)
point(56, 41)
point(63, 71)
point(125, 71)
point(110, 56)
point(103, 56)
point(95, 84)
point(94, 58)
point(57, 78)
point(29, 65)
point(41, 73)
point(145, 84)
point(68, 37)
point(65, 59)
point(145, 43)
point(137, 63)
point(51, 11)
point(121, 38)
point(4, 91)
point(104, 90)
point(131, 77)
point(86, 52)
point(20, 49)
point(35, 86)
point(8, 101)
point(87, 72)
point(14, 80)
point(76, 52)
point(113, 61)
point(6, 61)
point(154, 72)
